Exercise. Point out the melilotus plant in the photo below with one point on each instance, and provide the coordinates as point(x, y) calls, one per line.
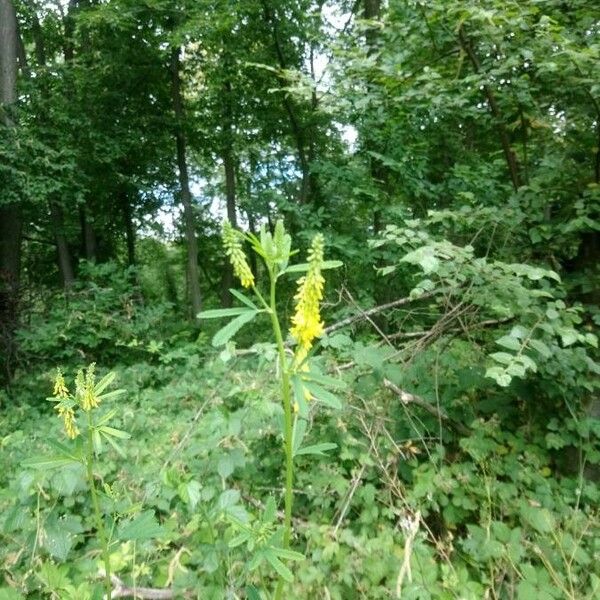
point(80, 410)
point(299, 384)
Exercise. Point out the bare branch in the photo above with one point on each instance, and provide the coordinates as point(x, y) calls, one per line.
point(407, 398)
point(120, 590)
point(378, 309)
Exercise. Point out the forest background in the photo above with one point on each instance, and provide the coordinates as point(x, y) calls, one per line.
point(449, 153)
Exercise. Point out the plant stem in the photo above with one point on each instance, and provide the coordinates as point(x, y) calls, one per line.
point(287, 409)
point(96, 506)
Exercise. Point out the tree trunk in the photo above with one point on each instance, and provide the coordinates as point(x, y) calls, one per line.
point(185, 193)
point(89, 242)
point(63, 253)
point(230, 184)
point(129, 229)
point(11, 223)
point(62, 248)
point(509, 155)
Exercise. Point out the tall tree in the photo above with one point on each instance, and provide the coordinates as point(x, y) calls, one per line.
point(193, 274)
point(10, 208)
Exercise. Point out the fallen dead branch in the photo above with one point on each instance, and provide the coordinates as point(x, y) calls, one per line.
point(120, 590)
point(407, 398)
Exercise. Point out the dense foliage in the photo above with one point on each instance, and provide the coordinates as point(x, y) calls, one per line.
point(424, 389)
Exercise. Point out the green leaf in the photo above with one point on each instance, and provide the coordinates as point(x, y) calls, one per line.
point(219, 313)
point(97, 441)
point(303, 267)
point(541, 519)
point(238, 540)
point(318, 449)
point(7, 593)
point(298, 389)
point(326, 380)
point(253, 593)
point(509, 342)
point(243, 299)
point(143, 527)
point(540, 347)
point(270, 510)
point(322, 395)
point(502, 357)
point(226, 333)
point(568, 336)
point(49, 462)
point(111, 395)
point(281, 569)
point(114, 444)
point(502, 378)
point(104, 383)
point(298, 433)
point(106, 417)
point(57, 540)
point(288, 554)
point(111, 431)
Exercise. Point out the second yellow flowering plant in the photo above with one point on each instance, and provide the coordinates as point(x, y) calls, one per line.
point(82, 404)
point(298, 383)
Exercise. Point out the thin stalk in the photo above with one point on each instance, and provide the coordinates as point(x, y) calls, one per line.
point(287, 409)
point(96, 506)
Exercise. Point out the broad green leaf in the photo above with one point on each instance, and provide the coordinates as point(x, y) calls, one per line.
point(326, 380)
point(322, 395)
point(219, 313)
point(503, 357)
point(319, 449)
point(57, 541)
point(226, 333)
point(540, 347)
point(111, 431)
point(502, 378)
point(143, 527)
point(49, 462)
point(541, 519)
point(303, 267)
point(512, 343)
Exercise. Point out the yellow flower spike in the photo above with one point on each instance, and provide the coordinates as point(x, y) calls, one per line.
point(306, 322)
point(84, 388)
point(233, 248)
point(60, 387)
point(68, 417)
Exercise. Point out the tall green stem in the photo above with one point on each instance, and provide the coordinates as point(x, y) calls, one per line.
point(288, 416)
point(96, 506)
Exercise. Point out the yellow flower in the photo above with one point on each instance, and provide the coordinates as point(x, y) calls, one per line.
point(233, 248)
point(306, 322)
point(84, 386)
point(60, 387)
point(68, 417)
